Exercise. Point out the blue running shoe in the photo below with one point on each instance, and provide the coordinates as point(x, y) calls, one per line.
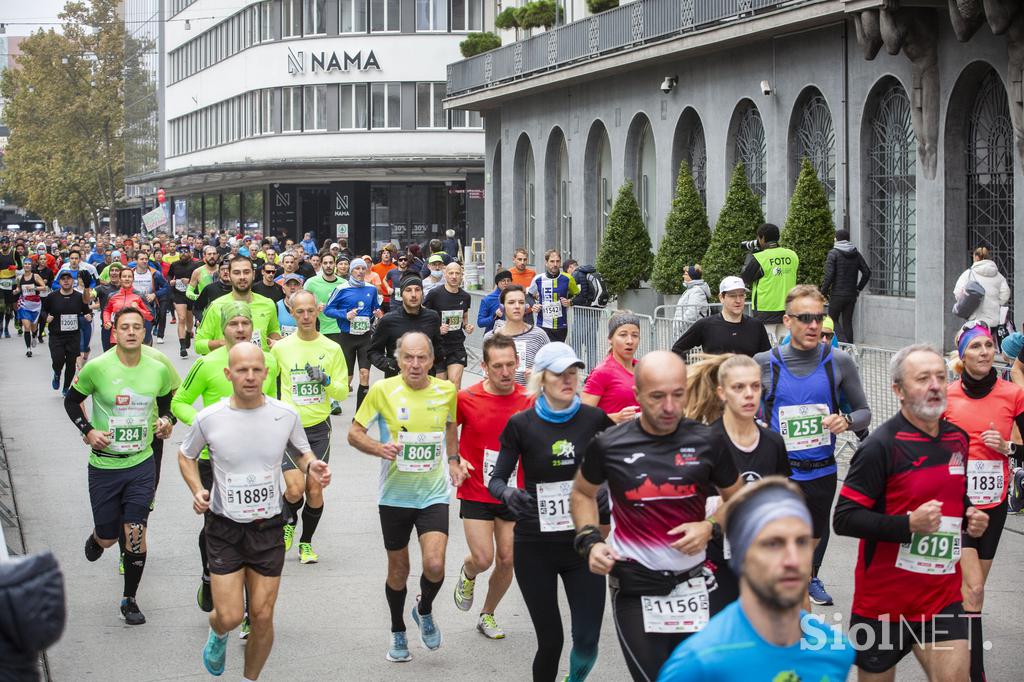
point(816, 589)
point(214, 653)
point(430, 635)
point(398, 652)
point(55, 382)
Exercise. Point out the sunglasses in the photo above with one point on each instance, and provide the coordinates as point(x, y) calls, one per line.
point(807, 318)
point(402, 260)
point(270, 272)
point(827, 335)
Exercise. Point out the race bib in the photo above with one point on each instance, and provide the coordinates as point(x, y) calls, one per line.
point(420, 451)
point(257, 338)
point(490, 461)
point(180, 284)
point(552, 310)
point(452, 318)
point(553, 506)
point(359, 325)
point(128, 434)
point(304, 390)
point(288, 330)
point(932, 553)
point(684, 609)
point(985, 481)
point(521, 352)
point(69, 323)
point(28, 289)
point(6, 284)
point(251, 496)
point(801, 427)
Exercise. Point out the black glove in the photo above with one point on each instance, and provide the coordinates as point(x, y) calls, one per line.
point(520, 503)
point(318, 375)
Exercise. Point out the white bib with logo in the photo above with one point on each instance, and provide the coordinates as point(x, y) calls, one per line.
point(685, 609)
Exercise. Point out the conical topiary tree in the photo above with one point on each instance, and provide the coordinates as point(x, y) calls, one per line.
point(809, 229)
point(686, 237)
point(737, 223)
point(625, 257)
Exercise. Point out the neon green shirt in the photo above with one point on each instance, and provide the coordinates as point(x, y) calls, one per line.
point(779, 267)
point(418, 477)
point(123, 404)
point(310, 399)
point(323, 290)
point(264, 322)
point(151, 352)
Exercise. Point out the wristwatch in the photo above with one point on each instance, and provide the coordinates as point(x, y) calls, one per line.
point(848, 418)
point(454, 458)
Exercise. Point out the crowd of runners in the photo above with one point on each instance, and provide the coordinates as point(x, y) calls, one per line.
point(695, 503)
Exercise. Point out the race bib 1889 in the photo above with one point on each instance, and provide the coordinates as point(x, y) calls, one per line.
point(251, 496)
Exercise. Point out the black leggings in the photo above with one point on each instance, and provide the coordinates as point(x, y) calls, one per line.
point(987, 544)
point(645, 652)
point(537, 568)
point(63, 354)
point(353, 347)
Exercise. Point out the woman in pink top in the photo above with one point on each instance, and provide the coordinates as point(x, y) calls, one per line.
point(610, 385)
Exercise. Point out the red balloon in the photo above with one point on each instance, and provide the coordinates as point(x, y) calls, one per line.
point(161, 196)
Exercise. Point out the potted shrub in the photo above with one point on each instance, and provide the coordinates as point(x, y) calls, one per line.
point(737, 223)
point(809, 229)
point(537, 14)
point(686, 237)
point(478, 43)
point(598, 6)
point(507, 19)
point(625, 259)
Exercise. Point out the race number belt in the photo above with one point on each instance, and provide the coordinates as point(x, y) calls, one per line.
point(811, 465)
point(685, 609)
point(180, 284)
point(452, 318)
point(69, 323)
point(128, 434)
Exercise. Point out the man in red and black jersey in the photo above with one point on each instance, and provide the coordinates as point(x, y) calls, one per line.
point(905, 496)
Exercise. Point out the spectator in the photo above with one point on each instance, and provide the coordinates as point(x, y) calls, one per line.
point(841, 284)
point(997, 291)
point(729, 331)
point(490, 306)
point(452, 246)
point(770, 272)
point(693, 302)
point(308, 245)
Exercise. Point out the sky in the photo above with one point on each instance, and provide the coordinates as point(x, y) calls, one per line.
point(26, 16)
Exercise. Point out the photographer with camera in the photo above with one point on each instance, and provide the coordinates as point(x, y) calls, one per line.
point(770, 272)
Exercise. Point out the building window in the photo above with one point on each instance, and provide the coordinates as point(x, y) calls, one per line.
point(431, 15)
point(266, 111)
point(352, 14)
point(647, 175)
point(465, 119)
point(816, 142)
point(990, 175)
point(386, 105)
point(314, 17)
point(467, 15)
point(385, 15)
point(530, 205)
point(892, 195)
point(266, 23)
point(751, 150)
point(697, 159)
point(314, 107)
point(429, 110)
point(352, 107)
point(291, 109)
point(564, 236)
point(291, 18)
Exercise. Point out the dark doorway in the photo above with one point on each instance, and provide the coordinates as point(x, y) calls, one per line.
point(315, 213)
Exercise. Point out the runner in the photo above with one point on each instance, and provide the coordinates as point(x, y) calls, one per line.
point(221, 286)
point(128, 390)
point(291, 284)
point(351, 309)
point(552, 292)
point(435, 273)
point(987, 408)
point(266, 330)
point(245, 436)
point(84, 277)
point(8, 273)
point(125, 297)
point(312, 372)
point(904, 498)
point(529, 339)
point(29, 306)
point(764, 631)
point(548, 442)
point(490, 307)
point(63, 311)
point(730, 331)
point(484, 409)
point(802, 383)
point(203, 275)
point(408, 317)
point(180, 274)
point(610, 385)
point(208, 380)
point(104, 290)
point(382, 268)
point(659, 469)
point(415, 416)
point(267, 286)
point(150, 285)
point(323, 286)
point(452, 303)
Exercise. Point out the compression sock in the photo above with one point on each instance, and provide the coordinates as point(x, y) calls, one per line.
point(428, 590)
point(28, 339)
point(203, 555)
point(396, 604)
point(134, 564)
point(360, 395)
point(977, 643)
point(580, 664)
point(310, 520)
point(293, 510)
point(183, 343)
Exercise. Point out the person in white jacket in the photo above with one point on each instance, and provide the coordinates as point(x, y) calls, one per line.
point(997, 291)
point(693, 303)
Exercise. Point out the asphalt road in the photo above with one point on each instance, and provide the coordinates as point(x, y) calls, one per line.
point(331, 621)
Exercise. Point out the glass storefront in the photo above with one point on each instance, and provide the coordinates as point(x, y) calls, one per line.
point(252, 210)
point(406, 214)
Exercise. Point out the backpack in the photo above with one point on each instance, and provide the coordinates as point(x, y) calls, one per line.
point(970, 299)
point(597, 290)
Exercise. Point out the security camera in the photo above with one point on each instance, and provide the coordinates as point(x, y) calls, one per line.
point(766, 88)
point(669, 84)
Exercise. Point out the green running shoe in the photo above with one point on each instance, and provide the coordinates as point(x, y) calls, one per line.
point(464, 591)
point(243, 631)
point(488, 627)
point(289, 536)
point(306, 554)
point(120, 565)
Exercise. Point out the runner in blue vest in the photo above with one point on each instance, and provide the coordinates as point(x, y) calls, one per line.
point(553, 291)
point(802, 381)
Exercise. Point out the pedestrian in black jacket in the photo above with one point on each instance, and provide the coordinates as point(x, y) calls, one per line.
point(841, 284)
point(411, 316)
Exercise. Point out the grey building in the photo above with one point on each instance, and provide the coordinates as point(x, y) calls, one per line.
point(910, 111)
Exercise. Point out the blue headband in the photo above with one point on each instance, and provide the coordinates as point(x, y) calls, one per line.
point(965, 337)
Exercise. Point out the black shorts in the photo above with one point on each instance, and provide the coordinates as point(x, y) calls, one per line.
point(355, 347)
point(120, 496)
point(179, 298)
point(986, 545)
point(232, 546)
point(455, 355)
point(900, 636)
point(319, 437)
point(819, 494)
point(397, 523)
point(484, 511)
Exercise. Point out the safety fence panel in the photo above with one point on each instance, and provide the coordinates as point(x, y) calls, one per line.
point(873, 367)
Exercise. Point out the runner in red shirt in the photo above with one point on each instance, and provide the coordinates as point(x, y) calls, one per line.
point(986, 407)
point(904, 496)
point(483, 411)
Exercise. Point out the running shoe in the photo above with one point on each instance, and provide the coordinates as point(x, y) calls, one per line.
point(306, 554)
point(7, 333)
point(28, 353)
point(93, 550)
point(289, 536)
point(204, 597)
point(130, 612)
point(214, 653)
point(430, 634)
point(1015, 496)
point(243, 631)
point(488, 627)
point(819, 596)
point(335, 408)
point(184, 353)
point(398, 652)
point(55, 382)
point(464, 591)
point(120, 565)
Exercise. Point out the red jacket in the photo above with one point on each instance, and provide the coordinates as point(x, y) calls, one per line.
point(122, 299)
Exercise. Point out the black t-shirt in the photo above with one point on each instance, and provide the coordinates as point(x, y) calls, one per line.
point(448, 305)
point(182, 271)
point(716, 335)
point(58, 304)
point(547, 453)
point(306, 270)
point(657, 483)
point(768, 458)
point(272, 291)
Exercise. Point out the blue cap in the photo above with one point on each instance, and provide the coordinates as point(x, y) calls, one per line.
point(292, 277)
point(556, 357)
point(1012, 345)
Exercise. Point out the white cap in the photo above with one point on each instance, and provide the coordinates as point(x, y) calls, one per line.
point(731, 283)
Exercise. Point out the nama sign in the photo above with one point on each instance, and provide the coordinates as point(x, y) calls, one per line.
point(330, 61)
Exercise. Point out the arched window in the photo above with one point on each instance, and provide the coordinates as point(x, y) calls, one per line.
point(606, 193)
point(751, 150)
point(697, 158)
point(564, 234)
point(892, 194)
point(990, 174)
point(525, 196)
point(816, 141)
point(495, 189)
point(598, 190)
point(647, 175)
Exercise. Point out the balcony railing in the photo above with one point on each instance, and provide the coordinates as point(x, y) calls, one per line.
point(616, 30)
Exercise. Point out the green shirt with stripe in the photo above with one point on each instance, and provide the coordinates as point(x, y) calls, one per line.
point(264, 321)
point(324, 290)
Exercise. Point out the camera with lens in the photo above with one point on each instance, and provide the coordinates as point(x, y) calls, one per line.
point(751, 245)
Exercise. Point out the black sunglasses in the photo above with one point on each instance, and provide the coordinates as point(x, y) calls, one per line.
point(807, 318)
